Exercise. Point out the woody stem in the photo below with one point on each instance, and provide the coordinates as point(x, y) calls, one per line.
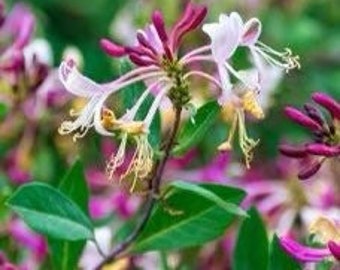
point(152, 196)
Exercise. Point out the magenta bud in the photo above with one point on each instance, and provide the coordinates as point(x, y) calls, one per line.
point(293, 151)
point(301, 118)
point(309, 170)
point(321, 149)
point(314, 113)
point(111, 48)
point(144, 42)
point(158, 22)
point(139, 61)
point(327, 102)
point(334, 249)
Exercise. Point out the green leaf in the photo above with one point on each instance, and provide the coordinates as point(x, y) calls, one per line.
point(65, 254)
point(251, 250)
point(193, 131)
point(49, 212)
point(3, 110)
point(207, 194)
point(130, 95)
point(74, 185)
point(280, 260)
point(168, 231)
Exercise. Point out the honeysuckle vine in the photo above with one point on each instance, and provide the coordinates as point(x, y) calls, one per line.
point(168, 74)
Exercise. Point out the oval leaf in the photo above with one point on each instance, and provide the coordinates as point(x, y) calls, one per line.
point(166, 230)
point(193, 131)
point(65, 254)
point(49, 212)
point(251, 250)
point(207, 194)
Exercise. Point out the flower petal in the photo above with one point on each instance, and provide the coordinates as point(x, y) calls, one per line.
point(251, 32)
point(303, 253)
point(76, 83)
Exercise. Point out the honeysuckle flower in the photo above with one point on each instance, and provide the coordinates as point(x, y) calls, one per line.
point(156, 56)
point(226, 36)
point(326, 232)
point(326, 134)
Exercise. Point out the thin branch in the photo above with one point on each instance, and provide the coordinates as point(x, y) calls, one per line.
point(151, 199)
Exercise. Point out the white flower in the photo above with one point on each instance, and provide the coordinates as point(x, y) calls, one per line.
point(95, 114)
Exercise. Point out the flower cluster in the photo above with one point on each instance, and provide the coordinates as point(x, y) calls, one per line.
point(241, 97)
point(326, 133)
point(158, 63)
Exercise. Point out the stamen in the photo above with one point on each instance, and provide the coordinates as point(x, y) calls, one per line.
point(227, 145)
point(117, 159)
point(251, 106)
point(286, 59)
point(247, 144)
point(142, 161)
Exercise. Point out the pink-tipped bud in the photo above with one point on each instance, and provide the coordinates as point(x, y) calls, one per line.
point(140, 61)
point(320, 149)
point(314, 113)
point(327, 102)
point(293, 151)
point(158, 22)
point(144, 42)
point(302, 119)
point(111, 48)
point(334, 249)
point(310, 170)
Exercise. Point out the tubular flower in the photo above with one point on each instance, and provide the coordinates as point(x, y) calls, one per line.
point(326, 134)
point(236, 100)
point(326, 232)
point(155, 56)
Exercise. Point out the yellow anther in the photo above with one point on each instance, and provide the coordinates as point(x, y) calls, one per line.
point(108, 120)
point(226, 146)
point(133, 127)
point(325, 230)
point(250, 105)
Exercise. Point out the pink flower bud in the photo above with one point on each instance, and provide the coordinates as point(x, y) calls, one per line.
point(112, 49)
point(323, 150)
point(293, 151)
point(302, 119)
point(335, 249)
point(328, 102)
point(158, 22)
point(309, 170)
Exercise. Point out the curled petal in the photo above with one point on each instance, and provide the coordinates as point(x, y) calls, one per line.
point(251, 32)
point(225, 37)
point(327, 102)
point(303, 253)
point(77, 83)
